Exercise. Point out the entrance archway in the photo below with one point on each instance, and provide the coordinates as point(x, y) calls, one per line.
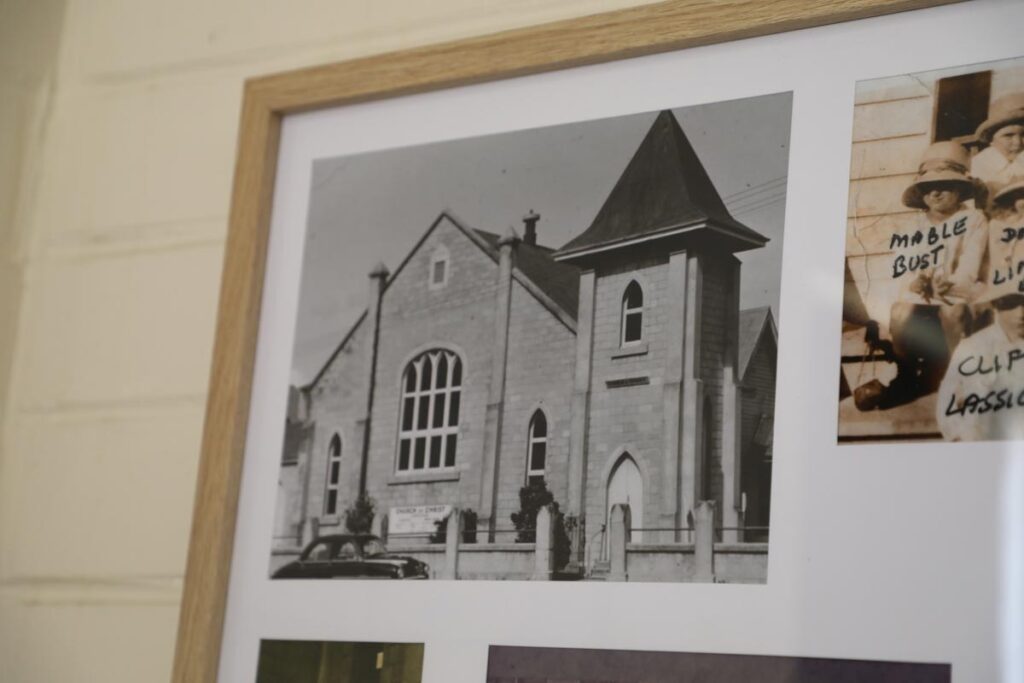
point(625, 485)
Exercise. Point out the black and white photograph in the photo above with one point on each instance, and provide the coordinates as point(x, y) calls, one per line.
point(314, 661)
point(568, 665)
point(544, 355)
point(933, 309)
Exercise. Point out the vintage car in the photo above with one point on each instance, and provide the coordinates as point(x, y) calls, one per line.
point(351, 556)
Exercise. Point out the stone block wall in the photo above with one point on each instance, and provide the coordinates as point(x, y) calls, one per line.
point(337, 405)
point(718, 344)
point(627, 417)
point(757, 400)
point(541, 359)
point(459, 317)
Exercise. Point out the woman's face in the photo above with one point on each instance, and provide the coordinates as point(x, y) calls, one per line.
point(1009, 140)
point(1010, 314)
point(940, 197)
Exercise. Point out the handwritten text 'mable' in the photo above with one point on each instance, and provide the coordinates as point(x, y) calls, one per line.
point(932, 237)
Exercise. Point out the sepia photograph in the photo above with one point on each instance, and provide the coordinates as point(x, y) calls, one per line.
point(566, 665)
point(312, 661)
point(933, 307)
point(547, 354)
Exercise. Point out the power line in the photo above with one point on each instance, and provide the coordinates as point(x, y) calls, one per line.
point(751, 201)
point(760, 206)
point(757, 206)
point(754, 189)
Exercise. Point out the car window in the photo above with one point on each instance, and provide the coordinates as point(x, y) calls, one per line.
point(319, 552)
point(373, 547)
point(348, 551)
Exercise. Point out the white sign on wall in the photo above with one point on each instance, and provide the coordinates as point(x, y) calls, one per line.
point(416, 519)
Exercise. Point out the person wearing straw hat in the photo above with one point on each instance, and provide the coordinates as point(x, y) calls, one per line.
point(938, 262)
point(1003, 132)
point(981, 396)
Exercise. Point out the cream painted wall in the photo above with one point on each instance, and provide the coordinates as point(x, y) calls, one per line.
point(117, 138)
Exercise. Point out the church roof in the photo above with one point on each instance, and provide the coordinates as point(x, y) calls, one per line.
point(663, 192)
point(752, 324)
point(560, 281)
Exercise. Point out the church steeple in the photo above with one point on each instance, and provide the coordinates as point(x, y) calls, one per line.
point(664, 195)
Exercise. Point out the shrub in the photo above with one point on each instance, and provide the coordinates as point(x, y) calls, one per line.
point(532, 498)
point(359, 516)
point(469, 518)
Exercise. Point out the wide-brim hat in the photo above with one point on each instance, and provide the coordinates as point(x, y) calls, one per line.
point(1005, 111)
point(913, 196)
point(942, 162)
point(1006, 193)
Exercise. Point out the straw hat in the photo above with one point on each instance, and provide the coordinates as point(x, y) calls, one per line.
point(942, 162)
point(1003, 112)
point(1006, 195)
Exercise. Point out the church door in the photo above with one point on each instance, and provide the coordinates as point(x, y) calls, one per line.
point(626, 486)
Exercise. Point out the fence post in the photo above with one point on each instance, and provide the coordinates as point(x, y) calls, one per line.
point(704, 541)
point(543, 547)
point(310, 530)
point(452, 539)
point(618, 537)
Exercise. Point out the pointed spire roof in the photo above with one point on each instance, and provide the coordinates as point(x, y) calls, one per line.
point(663, 193)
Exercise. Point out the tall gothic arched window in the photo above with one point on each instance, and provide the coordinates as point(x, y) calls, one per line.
point(537, 447)
point(429, 425)
point(333, 475)
point(632, 314)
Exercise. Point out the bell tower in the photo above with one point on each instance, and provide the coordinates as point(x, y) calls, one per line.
point(655, 372)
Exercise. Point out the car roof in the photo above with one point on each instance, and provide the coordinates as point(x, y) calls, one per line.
point(344, 537)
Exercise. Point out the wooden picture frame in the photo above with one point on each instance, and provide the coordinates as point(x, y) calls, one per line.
point(660, 27)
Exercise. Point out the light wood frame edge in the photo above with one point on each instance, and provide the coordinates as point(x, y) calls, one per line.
point(660, 27)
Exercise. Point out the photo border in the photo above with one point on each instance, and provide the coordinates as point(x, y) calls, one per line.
point(606, 37)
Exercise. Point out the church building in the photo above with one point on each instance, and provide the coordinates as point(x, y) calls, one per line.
point(618, 368)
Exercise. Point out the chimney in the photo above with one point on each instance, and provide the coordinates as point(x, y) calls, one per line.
point(530, 233)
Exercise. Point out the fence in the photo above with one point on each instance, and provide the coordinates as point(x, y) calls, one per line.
point(695, 553)
point(700, 557)
point(461, 556)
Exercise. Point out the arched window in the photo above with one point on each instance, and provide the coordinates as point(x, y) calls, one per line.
point(632, 314)
point(333, 475)
point(536, 448)
point(429, 426)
